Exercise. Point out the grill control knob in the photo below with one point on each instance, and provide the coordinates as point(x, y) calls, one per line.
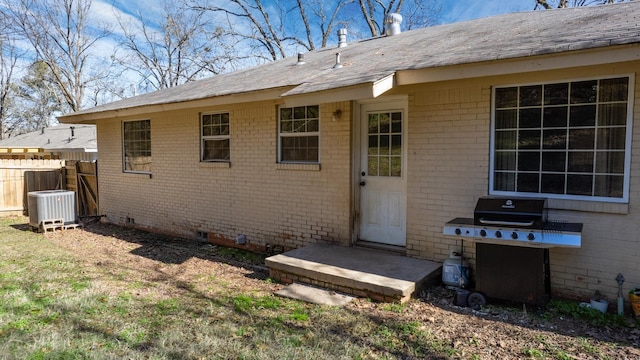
point(483, 233)
point(458, 231)
point(514, 235)
point(498, 234)
point(531, 237)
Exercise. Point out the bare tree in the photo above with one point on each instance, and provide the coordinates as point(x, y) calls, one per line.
point(573, 3)
point(176, 51)
point(273, 32)
point(8, 60)
point(60, 35)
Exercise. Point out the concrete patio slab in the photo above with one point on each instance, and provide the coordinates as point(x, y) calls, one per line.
point(380, 275)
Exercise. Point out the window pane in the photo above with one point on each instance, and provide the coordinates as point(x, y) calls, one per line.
point(216, 150)
point(554, 139)
point(396, 166)
point(396, 145)
point(286, 113)
point(582, 138)
point(555, 117)
point(286, 126)
point(579, 184)
point(300, 112)
point(373, 166)
point(384, 145)
point(531, 95)
point(313, 112)
point(385, 123)
point(528, 182)
point(584, 92)
point(530, 118)
point(312, 126)
point(299, 148)
point(584, 115)
point(611, 162)
point(553, 183)
point(528, 161)
point(385, 167)
point(506, 140)
point(581, 161)
point(506, 97)
point(556, 94)
point(529, 139)
point(554, 161)
point(373, 144)
point(505, 160)
point(373, 123)
point(506, 119)
point(612, 114)
point(611, 138)
point(614, 89)
point(396, 122)
point(504, 181)
point(609, 186)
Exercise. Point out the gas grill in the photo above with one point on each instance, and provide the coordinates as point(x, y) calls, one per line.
point(515, 221)
point(512, 237)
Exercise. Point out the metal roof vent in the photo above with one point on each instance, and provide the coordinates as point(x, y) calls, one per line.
point(338, 65)
point(300, 59)
point(392, 23)
point(342, 38)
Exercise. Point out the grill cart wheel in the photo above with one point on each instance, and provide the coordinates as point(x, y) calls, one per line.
point(476, 301)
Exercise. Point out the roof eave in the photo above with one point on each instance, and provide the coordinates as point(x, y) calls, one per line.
point(555, 61)
point(92, 117)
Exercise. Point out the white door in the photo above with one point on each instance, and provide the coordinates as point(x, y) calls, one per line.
point(383, 187)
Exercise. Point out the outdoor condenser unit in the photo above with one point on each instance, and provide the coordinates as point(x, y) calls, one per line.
point(51, 205)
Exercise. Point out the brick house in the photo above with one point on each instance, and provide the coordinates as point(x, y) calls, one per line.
point(387, 141)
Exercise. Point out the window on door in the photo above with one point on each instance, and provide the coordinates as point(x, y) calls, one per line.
point(564, 139)
point(385, 144)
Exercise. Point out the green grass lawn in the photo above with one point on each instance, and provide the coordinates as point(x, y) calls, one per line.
point(54, 305)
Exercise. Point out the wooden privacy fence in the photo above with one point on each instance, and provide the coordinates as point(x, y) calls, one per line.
point(19, 176)
point(82, 177)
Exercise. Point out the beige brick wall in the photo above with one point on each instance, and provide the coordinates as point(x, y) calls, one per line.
point(449, 129)
point(286, 206)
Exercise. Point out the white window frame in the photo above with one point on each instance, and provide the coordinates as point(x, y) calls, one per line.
point(124, 156)
point(627, 150)
point(204, 138)
point(282, 135)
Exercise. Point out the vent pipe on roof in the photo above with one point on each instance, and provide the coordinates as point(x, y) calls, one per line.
point(73, 128)
point(338, 65)
point(42, 131)
point(392, 23)
point(342, 38)
point(300, 59)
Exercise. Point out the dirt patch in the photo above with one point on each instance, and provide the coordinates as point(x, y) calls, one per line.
point(174, 265)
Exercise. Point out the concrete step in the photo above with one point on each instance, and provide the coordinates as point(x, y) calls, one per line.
point(379, 275)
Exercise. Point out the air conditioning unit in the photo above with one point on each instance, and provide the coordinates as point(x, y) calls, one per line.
point(51, 205)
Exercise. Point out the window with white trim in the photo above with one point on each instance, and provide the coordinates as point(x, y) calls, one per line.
point(567, 140)
point(299, 134)
point(214, 131)
point(136, 146)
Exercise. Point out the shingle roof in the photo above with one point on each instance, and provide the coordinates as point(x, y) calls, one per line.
point(507, 36)
point(56, 138)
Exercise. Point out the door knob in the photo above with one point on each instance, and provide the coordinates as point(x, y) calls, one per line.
point(362, 183)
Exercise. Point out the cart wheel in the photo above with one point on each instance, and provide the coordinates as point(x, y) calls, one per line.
point(476, 301)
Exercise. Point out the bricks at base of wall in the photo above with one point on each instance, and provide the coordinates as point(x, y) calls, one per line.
point(216, 239)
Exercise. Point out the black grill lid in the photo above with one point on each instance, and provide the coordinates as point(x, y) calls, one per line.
point(510, 211)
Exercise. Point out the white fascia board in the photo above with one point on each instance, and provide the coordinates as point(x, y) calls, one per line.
point(350, 93)
point(557, 61)
point(254, 96)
